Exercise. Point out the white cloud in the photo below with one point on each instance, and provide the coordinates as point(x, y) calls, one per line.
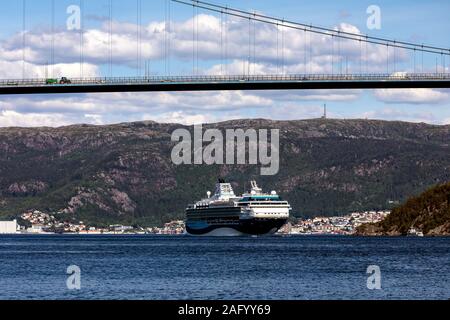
point(268, 46)
point(412, 96)
point(182, 117)
point(13, 70)
point(189, 107)
point(402, 115)
point(201, 106)
point(313, 95)
point(10, 118)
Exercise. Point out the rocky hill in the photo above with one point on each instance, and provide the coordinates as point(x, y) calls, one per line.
point(429, 212)
point(124, 173)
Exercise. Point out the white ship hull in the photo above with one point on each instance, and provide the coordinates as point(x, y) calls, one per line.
point(229, 232)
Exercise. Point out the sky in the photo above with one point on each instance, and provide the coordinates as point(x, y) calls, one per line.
point(222, 48)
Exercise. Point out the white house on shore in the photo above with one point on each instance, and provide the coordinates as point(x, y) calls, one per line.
point(36, 228)
point(8, 227)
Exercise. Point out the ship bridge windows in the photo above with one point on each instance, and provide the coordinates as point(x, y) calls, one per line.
point(261, 198)
point(265, 203)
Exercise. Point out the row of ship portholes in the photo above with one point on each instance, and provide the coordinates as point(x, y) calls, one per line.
point(269, 213)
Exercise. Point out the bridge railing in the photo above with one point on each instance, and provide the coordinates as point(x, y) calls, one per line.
point(226, 79)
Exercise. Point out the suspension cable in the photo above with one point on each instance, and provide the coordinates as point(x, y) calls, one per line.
point(169, 39)
point(395, 60)
point(226, 43)
point(253, 59)
point(315, 29)
point(282, 49)
point(332, 54)
point(445, 67)
point(360, 56)
point(304, 52)
point(52, 55)
point(221, 43)
point(193, 39)
point(339, 55)
point(197, 39)
point(110, 37)
point(310, 53)
point(138, 38)
point(367, 57)
point(422, 62)
point(24, 8)
point(387, 58)
point(249, 46)
point(81, 38)
point(278, 54)
point(165, 37)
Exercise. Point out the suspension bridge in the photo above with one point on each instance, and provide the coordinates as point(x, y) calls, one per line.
point(343, 71)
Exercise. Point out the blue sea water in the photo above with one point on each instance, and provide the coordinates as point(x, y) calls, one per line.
point(181, 267)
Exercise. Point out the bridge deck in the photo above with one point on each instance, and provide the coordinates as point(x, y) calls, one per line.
point(216, 83)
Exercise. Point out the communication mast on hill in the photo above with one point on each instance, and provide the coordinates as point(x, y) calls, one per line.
point(324, 111)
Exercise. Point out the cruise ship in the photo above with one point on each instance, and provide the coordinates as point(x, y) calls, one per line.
point(225, 214)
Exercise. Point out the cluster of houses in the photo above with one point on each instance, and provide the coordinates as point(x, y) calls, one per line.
point(340, 225)
point(174, 227)
point(40, 222)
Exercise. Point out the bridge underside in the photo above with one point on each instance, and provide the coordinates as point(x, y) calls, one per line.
point(219, 86)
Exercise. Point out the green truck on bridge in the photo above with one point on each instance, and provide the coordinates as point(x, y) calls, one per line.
point(64, 80)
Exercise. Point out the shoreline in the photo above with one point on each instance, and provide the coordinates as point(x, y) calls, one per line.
point(231, 237)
